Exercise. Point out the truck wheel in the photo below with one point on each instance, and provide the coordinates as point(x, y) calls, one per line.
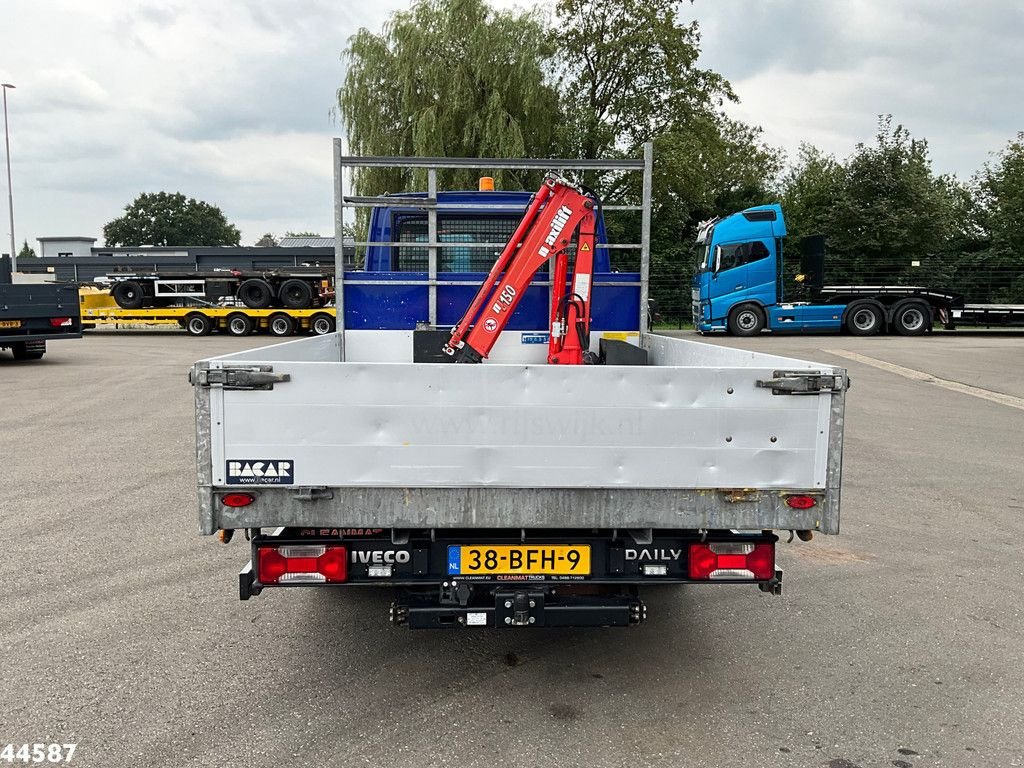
point(240, 325)
point(747, 320)
point(28, 350)
point(281, 325)
point(322, 324)
point(864, 320)
point(296, 294)
point(256, 293)
point(198, 324)
point(128, 294)
point(912, 319)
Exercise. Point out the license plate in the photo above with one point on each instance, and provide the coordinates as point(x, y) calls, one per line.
point(522, 560)
point(10, 323)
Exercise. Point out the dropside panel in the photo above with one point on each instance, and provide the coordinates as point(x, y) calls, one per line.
point(657, 445)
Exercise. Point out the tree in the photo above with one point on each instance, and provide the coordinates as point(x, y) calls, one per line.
point(26, 252)
point(714, 167)
point(812, 188)
point(630, 75)
point(881, 210)
point(267, 241)
point(457, 78)
point(449, 78)
point(302, 234)
point(170, 219)
point(999, 192)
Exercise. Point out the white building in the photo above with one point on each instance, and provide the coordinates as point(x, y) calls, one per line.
point(66, 246)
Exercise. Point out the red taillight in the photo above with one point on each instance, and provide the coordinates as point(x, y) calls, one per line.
point(237, 499)
point(60, 322)
point(732, 560)
point(800, 502)
point(302, 564)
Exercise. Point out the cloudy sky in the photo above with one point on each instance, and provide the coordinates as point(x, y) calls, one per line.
point(230, 101)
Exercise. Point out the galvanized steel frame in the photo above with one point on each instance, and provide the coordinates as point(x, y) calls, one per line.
point(753, 506)
point(344, 164)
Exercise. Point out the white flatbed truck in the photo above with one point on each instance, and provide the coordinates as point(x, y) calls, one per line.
point(513, 493)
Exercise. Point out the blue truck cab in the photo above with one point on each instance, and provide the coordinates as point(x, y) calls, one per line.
point(737, 284)
point(392, 292)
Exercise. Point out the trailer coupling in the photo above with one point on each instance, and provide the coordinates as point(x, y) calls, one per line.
point(521, 608)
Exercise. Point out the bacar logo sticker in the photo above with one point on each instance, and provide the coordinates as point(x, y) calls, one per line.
point(260, 472)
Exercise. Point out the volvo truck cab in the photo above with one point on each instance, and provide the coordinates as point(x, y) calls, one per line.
point(737, 286)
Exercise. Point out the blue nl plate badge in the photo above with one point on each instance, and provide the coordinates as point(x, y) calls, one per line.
point(454, 560)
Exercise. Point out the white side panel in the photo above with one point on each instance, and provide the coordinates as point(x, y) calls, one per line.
point(308, 349)
point(217, 435)
point(437, 425)
point(668, 350)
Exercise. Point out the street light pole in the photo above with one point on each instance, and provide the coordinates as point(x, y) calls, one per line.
point(10, 189)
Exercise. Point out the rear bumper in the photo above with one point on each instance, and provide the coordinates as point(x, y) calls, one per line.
point(37, 328)
point(8, 339)
point(523, 608)
point(430, 596)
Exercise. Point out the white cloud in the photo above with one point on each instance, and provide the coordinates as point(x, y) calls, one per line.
point(823, 72)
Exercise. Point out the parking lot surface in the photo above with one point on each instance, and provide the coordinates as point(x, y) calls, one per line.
point(898, 643)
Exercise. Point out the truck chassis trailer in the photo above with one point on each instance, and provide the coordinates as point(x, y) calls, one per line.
point(201, 320)
point(294, 288)
point(913, 310)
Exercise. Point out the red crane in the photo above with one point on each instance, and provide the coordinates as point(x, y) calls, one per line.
point(558, 210)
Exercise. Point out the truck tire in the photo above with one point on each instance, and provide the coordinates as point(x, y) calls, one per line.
point(746, 320)
point(198, 324)
point(296, 294)
point(128, 294)
point(912, 318)
point(256, 293)
point(281, 325)
point(239, 324)
point(28, 350)
point(864, 320)
point(321, 324)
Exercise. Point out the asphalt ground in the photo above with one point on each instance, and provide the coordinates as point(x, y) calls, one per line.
point(898, 643)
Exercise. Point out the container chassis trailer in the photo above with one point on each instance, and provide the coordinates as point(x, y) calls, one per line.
point(292, 288)
point(203, 320)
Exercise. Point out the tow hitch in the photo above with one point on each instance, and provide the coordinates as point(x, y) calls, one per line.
point(520, 608)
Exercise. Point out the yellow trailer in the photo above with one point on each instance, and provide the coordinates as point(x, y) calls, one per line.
point(99, 308)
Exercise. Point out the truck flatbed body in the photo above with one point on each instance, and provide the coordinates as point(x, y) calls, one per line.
point(704, 437)
point(512, 492)
point(32, 314)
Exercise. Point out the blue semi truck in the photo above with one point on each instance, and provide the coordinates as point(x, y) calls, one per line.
point(738, 287)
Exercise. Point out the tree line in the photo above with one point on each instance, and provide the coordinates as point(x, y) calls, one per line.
point(599, 78)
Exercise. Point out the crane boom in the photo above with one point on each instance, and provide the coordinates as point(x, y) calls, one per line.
point(554, 215)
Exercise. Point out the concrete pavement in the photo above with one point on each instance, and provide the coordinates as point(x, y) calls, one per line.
point(897, 643)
